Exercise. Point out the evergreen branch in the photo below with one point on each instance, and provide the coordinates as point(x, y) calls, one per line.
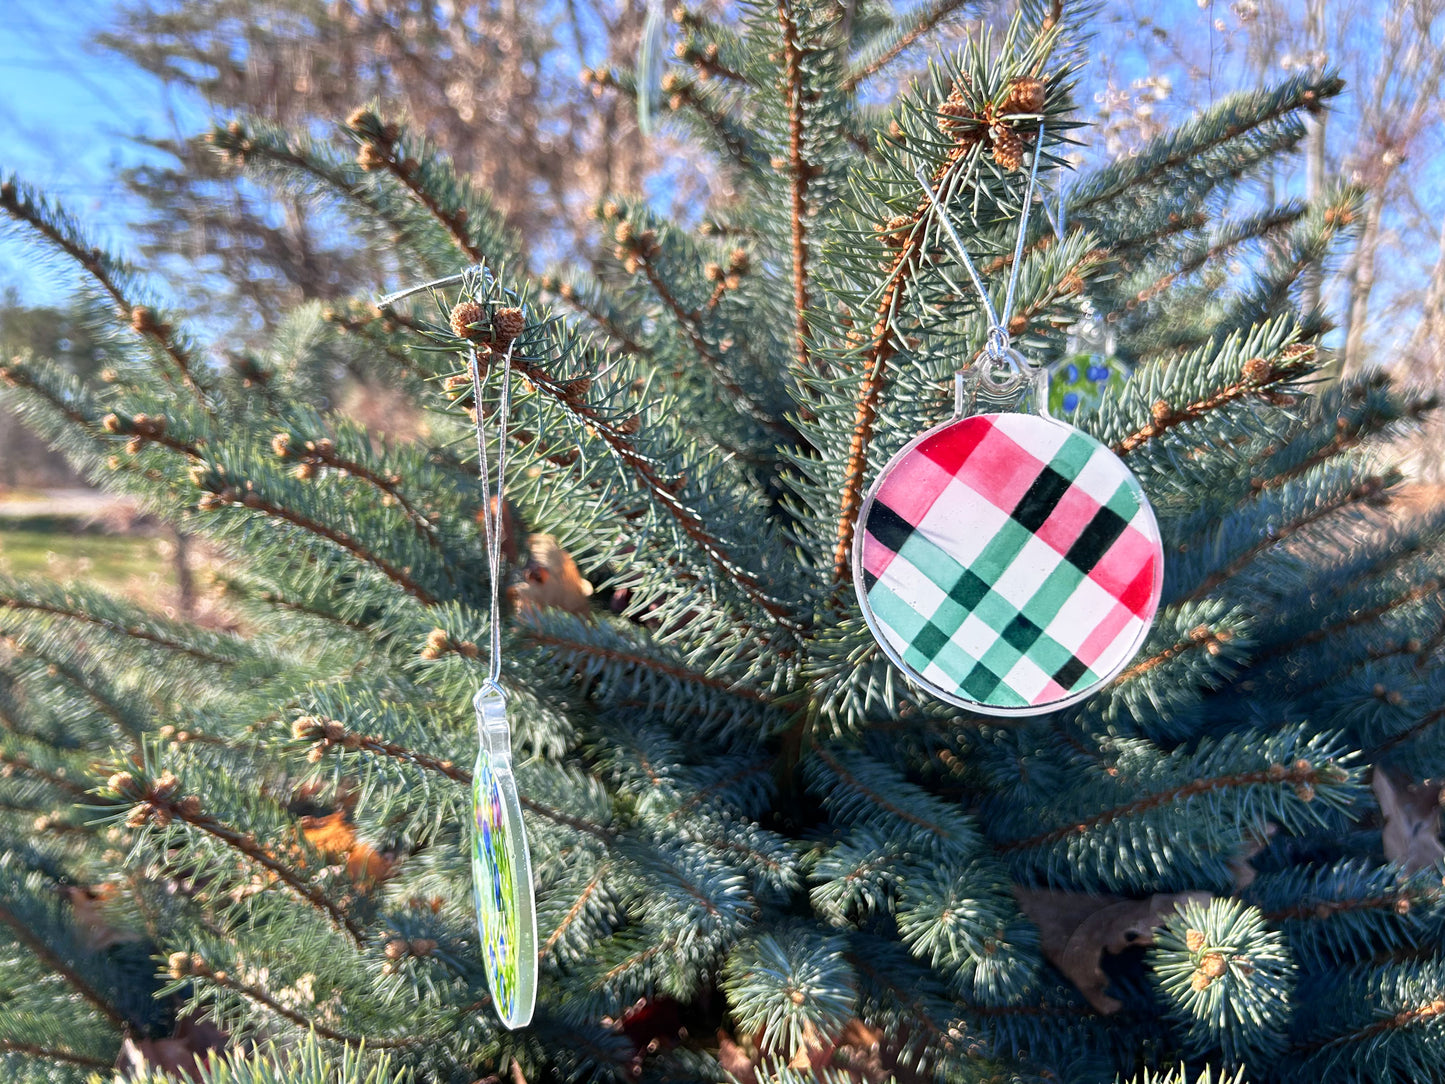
point(11, 1046)
point(226, 981)
point(1398, 902)
point(841, 771)
point(1201, 638)
point(1402, 1019)
point(1368, 490)
point(188, 809)
point(253, 500)
point(1350, 434)
point(689, 323)
point(21, 931)
point(578, 301)
point(672, 670)
point(380, 148)
point(617, 435)
point(15, 376)
point(21, 763)
point(1424, 723)
point(1258, 376)
point(799, 173)
point(9, 601)
point(572, 912)
point(332, 732)
point(1178, 149)
point(323, 453)
point(141, 318)
point(1300, 774)
point(1358, 617)
point(618, 440)
point(879, 351)
point(1256, 228)
point(62, 668)
point(924, 24)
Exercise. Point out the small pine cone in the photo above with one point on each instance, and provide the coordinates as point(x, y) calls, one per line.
point(1199, 982)
point(189, 806)
point(124, 784)
point(1008, 148)
point(437, 640)
point(363, 120)
point(738, 261)
point(307, 728)
point(1213, 965)
point(143, 320)
point(1160, 412)
point(140, 816)
point(178, 965)
point(422, 946)
point(624, 233)
point(894, 232)
point(1305, 792)
point(111, 423)
point(334, 731)
point(1026, 95)
point(1257, 371)
point(281, 445)
point(304, 472)
point(165, 786)
point(574, 391)
point(1194, 939)
point(958, 117)
point(713, 272)
point(507, 324)
point(160, 816)
point(370, 158)
point(209, 502)
point(631, 265)
point(395, 949)
point(672, 82)
point(465, 314)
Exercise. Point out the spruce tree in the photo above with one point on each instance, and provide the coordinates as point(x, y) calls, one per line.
point(756, 849)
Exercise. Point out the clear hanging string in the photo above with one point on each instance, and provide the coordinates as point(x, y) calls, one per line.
point(492, 510)
point(998, 348)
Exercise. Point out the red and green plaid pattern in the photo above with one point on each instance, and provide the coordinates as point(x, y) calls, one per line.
point(1009, 561)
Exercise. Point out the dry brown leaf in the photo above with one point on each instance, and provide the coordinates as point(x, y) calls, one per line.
point(735, 1060)
point(551, 579)
point(335, 838)
point(184, 1054)
point(88, 906)
point(1411, 835)
point(1077, 928)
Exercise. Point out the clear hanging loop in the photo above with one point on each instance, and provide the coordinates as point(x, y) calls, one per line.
point(998, 352)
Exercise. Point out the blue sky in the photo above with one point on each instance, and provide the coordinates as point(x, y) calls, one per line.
point(65, 113)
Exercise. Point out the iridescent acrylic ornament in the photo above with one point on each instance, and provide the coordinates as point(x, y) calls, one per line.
point(502, 866)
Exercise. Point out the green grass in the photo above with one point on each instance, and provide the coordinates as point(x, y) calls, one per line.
point(123, 563)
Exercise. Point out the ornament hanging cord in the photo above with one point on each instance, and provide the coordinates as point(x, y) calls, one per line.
point(997, 347)
point(492, 516)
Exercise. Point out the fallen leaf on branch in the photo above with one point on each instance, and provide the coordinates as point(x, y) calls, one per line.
point(88, 905)
point(1411, 835)
point(1077, 928)
point(183, 1054)
point(335, 837)
point(551, 580)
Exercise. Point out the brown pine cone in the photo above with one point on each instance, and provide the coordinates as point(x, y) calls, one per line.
point(507, 324)
point(1026, 95)
point(465, 314)
point(1008, 147)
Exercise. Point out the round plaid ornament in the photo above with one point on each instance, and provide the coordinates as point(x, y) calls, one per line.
point(1008, 563)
